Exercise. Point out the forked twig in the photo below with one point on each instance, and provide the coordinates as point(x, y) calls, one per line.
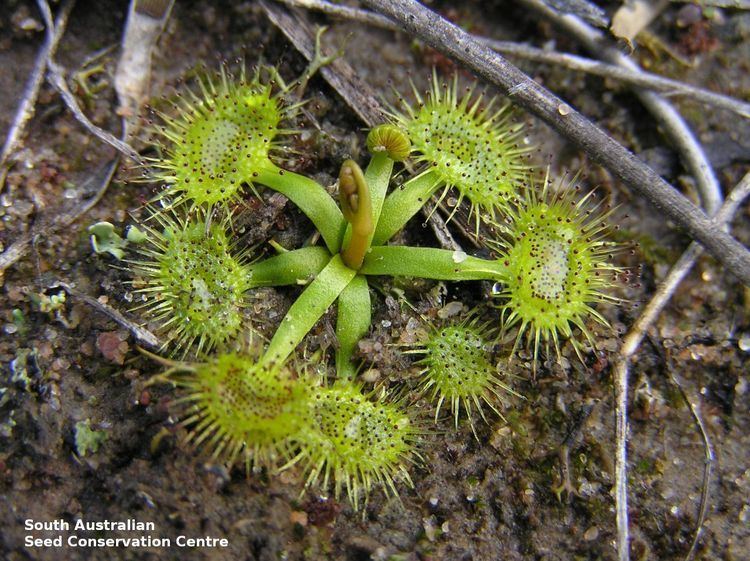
point(629, 347)
point(640, 78)
point(55, 75)
point(679, 271)
point(693, 156)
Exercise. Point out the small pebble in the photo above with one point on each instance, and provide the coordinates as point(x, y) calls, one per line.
point(591, 534)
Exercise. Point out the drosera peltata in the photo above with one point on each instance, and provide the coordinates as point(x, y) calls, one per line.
point(549, 259)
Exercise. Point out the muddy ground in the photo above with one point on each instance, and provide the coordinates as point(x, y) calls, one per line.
point(82, 436)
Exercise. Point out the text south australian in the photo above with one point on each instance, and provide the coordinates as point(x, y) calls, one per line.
point(59, 525)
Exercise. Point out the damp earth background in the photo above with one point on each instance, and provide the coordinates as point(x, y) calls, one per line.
point(491, 498)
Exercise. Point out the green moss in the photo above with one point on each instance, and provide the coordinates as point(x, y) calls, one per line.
point(88, 440)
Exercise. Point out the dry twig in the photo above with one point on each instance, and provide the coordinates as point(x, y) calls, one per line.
point(28, 103)
point(141, 334)
point(642, 79)
point(709, 459)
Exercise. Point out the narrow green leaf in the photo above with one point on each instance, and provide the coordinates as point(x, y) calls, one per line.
point(312, 199)
point(378, 176)
point(308, 309)
point(403, 203)
point(293, 267)
point(353, 322)
point(429, 263)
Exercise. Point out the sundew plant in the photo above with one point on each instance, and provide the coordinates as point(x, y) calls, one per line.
point(550, 266)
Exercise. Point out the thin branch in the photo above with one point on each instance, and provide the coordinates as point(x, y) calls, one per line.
point(28, 103)
point(675, 127)
point(584, 9)
point(620, 373)
point(641, 78)
point(731, 4)
point(141, 334)
point(709, 460)
point(453, 41)
point(629, 347)
point(55, 75)
point(344, 12)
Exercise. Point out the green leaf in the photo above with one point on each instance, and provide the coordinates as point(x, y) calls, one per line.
point(353, 323)
point(308, 309)
point(429, 263)
point(403, 203)
point(378, 177)
point(311, 198)
point(293, 267)
point(134, 235)
point(104, 239)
